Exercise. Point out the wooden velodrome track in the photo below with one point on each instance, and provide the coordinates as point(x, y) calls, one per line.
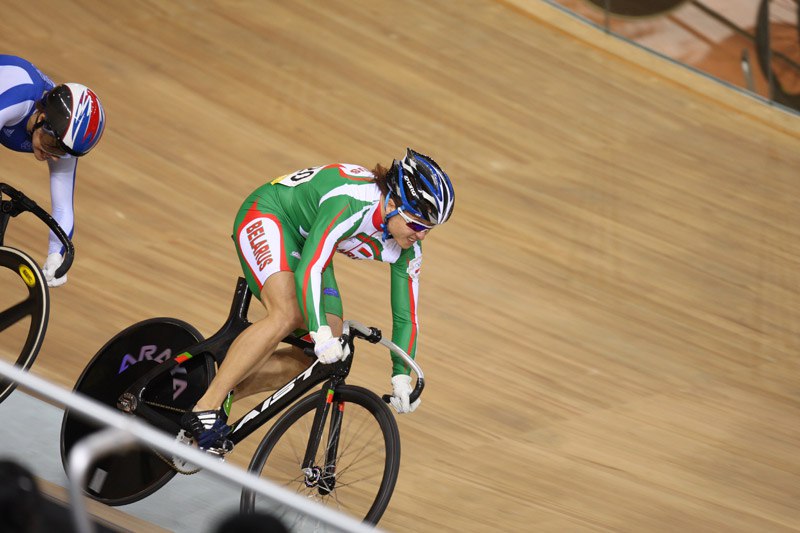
point(610, 319)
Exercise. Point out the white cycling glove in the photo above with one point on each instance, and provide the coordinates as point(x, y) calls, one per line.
point(327, 347)
point(51, 264)
point(401, 385)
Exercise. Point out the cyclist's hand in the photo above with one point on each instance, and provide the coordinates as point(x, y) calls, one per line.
point(328, 348)
point(401, 384)
point(51, 264)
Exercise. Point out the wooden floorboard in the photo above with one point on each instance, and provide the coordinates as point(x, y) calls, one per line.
point(611, 318)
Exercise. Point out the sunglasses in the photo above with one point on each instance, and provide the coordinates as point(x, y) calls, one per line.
point(413, 224)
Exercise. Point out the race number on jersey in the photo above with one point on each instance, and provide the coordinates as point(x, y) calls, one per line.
point(307, 174)
point(296, 178)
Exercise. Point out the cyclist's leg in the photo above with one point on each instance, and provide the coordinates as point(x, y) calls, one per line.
point(274, 372)
point(208, 420)
point(257, 341)
point(265, 252)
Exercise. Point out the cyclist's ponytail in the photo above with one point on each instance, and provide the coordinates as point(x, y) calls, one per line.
point(381, 173)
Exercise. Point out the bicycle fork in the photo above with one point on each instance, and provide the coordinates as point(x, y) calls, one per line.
point(324, 476)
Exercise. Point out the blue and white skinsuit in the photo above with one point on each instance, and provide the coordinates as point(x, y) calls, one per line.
point(21, 85)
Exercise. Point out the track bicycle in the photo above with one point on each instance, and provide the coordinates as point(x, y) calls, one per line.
point(24, 296)
point(338, 445)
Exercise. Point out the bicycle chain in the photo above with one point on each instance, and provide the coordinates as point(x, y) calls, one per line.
point(164, 406)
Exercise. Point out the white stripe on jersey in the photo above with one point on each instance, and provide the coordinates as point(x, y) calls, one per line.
point(13, 114)
point(11, 76)
point(362, 192)
point(328, 247)
point(415, 264)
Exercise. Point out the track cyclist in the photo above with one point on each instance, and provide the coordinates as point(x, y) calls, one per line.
point(57, 124)
point(286, 233)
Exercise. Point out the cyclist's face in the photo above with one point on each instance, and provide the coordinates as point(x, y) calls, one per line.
point(45, 146)
point(400, 230)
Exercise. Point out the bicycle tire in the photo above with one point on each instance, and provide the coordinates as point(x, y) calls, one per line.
point(290, 430)
point(129, 476)
point(36, 306)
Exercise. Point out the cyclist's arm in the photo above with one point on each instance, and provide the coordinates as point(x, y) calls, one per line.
point(405, 297)
point(12, 112)
point(335, 220)
point(62, 187)
point(15, 98)
point(331, 299)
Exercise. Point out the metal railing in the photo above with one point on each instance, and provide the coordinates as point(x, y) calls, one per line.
point(123, 432)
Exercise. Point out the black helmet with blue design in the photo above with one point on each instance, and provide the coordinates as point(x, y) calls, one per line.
point(420, 187)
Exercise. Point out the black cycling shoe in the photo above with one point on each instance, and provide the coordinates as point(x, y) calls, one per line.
point(209, 429)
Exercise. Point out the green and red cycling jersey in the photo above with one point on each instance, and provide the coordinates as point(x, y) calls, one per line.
point(298, 221)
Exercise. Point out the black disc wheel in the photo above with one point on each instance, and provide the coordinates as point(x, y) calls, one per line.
point(129, 476)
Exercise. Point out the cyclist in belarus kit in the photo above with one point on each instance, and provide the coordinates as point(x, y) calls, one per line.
point(286, 233)
point(57, 124)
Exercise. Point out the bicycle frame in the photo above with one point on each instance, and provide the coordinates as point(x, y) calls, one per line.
point(332, 375)
point(317, 373)
point(216, 347)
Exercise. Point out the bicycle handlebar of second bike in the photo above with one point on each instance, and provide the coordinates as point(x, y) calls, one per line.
point(19, 204)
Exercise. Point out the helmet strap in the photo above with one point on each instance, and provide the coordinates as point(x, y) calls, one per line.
point(385, 224)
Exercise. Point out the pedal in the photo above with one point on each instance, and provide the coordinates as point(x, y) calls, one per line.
point(184, 467)
point(221, 451)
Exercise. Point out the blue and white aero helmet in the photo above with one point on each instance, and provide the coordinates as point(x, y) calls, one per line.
point(75, 116)
point(422, 187)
